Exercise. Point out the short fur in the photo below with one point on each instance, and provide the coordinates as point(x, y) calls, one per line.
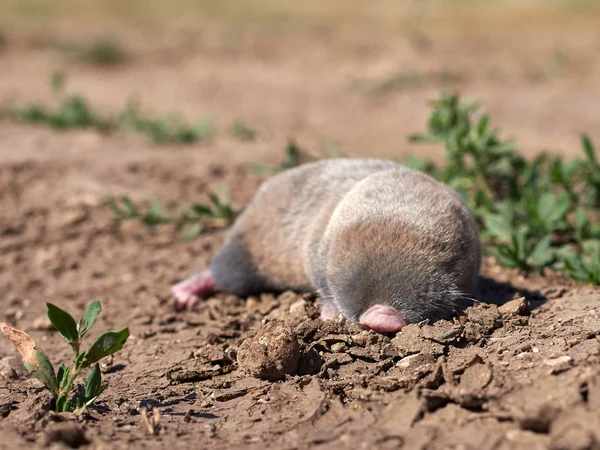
point(360, 232)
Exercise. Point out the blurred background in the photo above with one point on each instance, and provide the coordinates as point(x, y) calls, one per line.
point(340, 76)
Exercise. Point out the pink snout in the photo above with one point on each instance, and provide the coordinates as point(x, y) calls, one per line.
point(383, 319)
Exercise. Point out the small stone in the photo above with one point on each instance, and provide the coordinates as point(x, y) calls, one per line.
point(338, 347)
point(408, 361)
point(517, 307)
point(10, 367)
point(361, 338)
point(559, 364)
point(272, 354)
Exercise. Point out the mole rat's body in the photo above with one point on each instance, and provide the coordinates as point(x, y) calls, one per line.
point(382, 244)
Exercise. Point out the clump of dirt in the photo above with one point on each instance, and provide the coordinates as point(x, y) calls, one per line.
point(271, 353)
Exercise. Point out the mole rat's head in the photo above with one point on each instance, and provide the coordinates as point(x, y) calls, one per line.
point(386, 277)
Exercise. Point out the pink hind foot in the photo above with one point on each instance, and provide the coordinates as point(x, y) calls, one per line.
point(193, 289)
point(383, 319)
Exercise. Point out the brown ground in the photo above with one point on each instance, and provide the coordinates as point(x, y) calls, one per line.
point(336, 80)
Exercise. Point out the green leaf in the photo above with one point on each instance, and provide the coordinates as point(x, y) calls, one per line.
point(192, 231)
point(107, 344)
point(504, 256)
point(264, 170)
point(588, 149)
point(292, 154)
point(202, 210)
point(417, 163)
point(62, 376)
point(499, 226)
point(79, 360)
point(551, 208)
point(130, 209)
point(80, 397)
point(571, 167)
point(43, 371)
point(154, 214)
point(63, 322)
point(57, 82)
point(518, 240)
point(540, 254)
point(93, 384)
point(62, 403)
point(90, 316)
point(215, 200)
point(563, 203)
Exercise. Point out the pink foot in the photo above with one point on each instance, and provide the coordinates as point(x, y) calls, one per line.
point(383, 319)
point(328, 310)
point(191, 290)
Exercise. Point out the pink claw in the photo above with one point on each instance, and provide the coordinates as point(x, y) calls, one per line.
point(193, 289)
point(383, 319)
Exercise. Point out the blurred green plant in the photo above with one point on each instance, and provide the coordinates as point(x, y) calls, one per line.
point(74, 111)
point(532, 214)
point(292, 158)
point(3, 40)
point(60, 382)
point(104, 52)
point(163, 130)
point(241, 131)
point(190, 221)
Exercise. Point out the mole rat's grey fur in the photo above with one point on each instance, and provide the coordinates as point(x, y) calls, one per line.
point(361, 232)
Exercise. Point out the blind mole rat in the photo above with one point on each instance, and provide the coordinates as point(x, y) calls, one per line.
point(382, 244)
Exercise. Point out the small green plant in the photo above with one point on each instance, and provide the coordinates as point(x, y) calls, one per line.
point(75, 112)
point(293, 158)
point(241, 131)
point(586, 269)
point(163, 130)
point(104, 52)
point(60, 382)
point(190, 221)
point(532, 214)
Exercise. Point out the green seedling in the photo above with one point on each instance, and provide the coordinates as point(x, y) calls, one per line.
point(163, 130)
point(104, 52)
point(292, 159)
point(241, 131)
point(191, 221)
point(75, 112)
point(61, 382)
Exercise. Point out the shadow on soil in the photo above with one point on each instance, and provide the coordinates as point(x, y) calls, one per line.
point(499, 292)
